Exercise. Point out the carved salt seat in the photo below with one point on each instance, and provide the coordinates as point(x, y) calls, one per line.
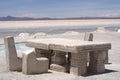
point(13, 58)
point(25, 61)
point(32, 65)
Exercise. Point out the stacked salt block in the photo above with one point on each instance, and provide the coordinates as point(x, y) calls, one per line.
point(58, 61)
point(60, 68)
point(58, 57)
point(44, 53)
point(78, 63)
point(97, 61)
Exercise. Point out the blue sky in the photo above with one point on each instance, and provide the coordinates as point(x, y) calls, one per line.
point(60, 8)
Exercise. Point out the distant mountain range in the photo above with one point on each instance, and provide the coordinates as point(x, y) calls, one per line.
point(12, 18)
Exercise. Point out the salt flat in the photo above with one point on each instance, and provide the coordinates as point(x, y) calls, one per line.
point(52, 23)
point(112, 72)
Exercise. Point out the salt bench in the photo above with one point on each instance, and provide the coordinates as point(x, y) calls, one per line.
point(78, 50)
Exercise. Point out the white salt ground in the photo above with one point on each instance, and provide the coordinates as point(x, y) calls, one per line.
point(112, 73)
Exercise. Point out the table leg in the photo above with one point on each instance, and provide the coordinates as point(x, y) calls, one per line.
point(58, 61)
point(78, 65)
point(106, 58)
point(44, 53)
point(97, 60)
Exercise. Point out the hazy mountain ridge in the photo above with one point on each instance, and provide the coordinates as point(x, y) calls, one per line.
point(12, 18)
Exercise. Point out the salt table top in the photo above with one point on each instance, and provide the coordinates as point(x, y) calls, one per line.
point(65, 44)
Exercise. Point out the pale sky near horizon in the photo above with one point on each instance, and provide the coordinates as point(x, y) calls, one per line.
point(60, 8)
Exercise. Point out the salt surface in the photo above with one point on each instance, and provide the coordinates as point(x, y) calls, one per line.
point(112, 37)
point(52, 23)
point(112, 73)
